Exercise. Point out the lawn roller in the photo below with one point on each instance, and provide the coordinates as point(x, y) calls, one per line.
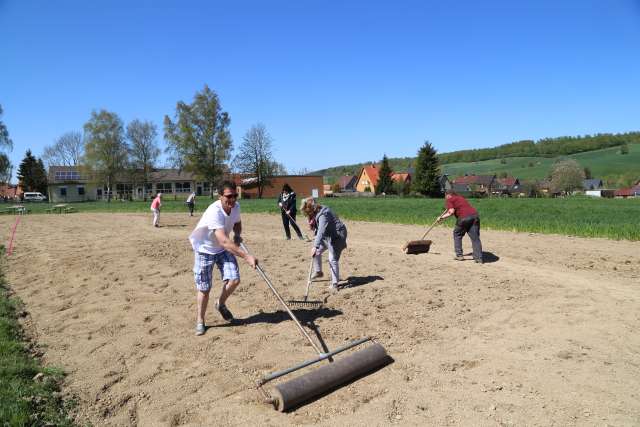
point(415, 247)
point(292, 393)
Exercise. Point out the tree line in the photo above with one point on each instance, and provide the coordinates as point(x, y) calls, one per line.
point(197, 139)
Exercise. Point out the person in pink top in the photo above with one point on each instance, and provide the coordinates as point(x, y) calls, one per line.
point(155, 208)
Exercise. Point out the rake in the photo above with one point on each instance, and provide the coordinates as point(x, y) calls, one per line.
point(292, 393)
point(421, 246)
point(304, 235)
point(305, 303)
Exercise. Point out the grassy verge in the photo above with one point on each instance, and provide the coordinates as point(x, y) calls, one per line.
point(576, 216)
point(29, 393)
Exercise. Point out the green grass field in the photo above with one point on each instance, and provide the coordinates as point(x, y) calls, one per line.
point(23, 400)
point(576, 216)
point(603, 164)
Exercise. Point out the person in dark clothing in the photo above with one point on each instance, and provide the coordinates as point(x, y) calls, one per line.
point(287, 203)
point(468, 222)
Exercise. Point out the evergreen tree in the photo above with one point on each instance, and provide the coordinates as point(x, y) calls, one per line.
point(31, 174)
point(425, 180)
point(385, 183)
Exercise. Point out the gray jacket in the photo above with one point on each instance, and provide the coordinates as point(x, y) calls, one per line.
point(330, 228)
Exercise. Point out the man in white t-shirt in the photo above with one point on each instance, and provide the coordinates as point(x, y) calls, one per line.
point(212, 245)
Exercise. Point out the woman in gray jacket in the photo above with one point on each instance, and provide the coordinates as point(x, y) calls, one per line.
point(331, 234)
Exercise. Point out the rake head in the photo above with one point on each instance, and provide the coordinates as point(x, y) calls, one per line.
point(305, 303)
point(415, 247)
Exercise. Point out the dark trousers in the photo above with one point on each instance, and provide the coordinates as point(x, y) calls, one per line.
point(469, 225)
point(286, 222)
point(191, 206)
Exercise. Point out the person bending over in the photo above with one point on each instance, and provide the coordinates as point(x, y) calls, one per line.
point(331, 235)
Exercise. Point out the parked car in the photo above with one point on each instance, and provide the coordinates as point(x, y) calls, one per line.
point(33, 197)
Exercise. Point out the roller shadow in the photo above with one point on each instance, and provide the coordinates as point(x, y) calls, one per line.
point(355, 281)
point(303, 315)
point(487, 257)
point(173, 226)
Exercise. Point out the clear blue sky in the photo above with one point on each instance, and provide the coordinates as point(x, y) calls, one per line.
point(335, 82)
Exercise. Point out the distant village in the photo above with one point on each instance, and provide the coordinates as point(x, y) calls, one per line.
point(475, 185)
point(66, 184)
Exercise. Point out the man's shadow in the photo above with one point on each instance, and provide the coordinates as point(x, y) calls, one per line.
point(355, 281)
point(303, 315)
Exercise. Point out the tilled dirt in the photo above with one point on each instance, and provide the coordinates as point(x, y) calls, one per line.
point(544, 333)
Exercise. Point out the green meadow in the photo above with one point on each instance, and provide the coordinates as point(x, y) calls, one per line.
point(606, 163)
point(575, 216)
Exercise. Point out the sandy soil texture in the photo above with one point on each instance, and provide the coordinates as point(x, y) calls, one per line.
point(544, 333)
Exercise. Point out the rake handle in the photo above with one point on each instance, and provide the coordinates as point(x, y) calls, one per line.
point(284, 304)
point(306, 294)
point(294, 223)
point(433, 225)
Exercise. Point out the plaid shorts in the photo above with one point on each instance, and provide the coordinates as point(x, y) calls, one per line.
point(203, 268)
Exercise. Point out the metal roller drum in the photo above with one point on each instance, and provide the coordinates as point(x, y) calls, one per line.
point(298, 390)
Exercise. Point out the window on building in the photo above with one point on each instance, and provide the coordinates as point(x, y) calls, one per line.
point(163, 187)
point(63, 191)
point(183, 187)
point(80, 191)
point(206, 187)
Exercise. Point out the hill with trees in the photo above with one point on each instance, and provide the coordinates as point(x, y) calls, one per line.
point(615, 158)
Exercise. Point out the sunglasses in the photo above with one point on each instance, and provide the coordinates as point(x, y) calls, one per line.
point(231, 196)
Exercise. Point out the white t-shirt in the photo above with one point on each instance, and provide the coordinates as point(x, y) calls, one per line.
point(203, 238)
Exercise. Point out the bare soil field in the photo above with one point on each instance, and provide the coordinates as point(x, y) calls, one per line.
point(544, 333)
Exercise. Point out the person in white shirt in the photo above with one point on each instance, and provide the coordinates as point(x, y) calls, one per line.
point(191, 203)
point(212, 245)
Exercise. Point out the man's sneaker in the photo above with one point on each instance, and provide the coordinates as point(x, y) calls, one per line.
point(317, 275)
point(479, 261)
point(458, 258)
point(333, 287)
point(200, 328)
point(224, 311)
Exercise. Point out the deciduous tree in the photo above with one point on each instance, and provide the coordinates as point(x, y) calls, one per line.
point(143, 150)
point(67, 150)
point(5, 141)
point(6, 169)
point(105, 148)
point(255, 156)
point(199, 140)
point(566, 176)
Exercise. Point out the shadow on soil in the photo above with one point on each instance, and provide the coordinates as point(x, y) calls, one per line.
point(304, 315)
point(355, 281)
point(487, 257)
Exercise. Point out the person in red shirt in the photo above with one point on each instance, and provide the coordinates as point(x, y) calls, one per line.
point(468, 222)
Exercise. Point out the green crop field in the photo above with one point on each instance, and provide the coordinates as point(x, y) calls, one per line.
point(603, 164)
point(576, 216)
